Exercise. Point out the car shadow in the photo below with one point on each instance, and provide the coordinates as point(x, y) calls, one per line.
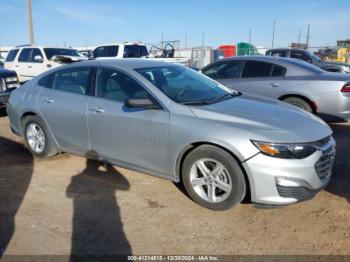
point(3, 112)
point(97, 226)
point(16, 169)
point(340, 182)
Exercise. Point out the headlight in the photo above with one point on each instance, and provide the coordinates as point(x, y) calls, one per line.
point(2, 85)
point(286, 151)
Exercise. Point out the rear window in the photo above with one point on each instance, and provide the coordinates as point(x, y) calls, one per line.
point(50, 52)
point(106, 51)
point(135, 51)
point(278, 71)
point(256, 69)
point(11, 55)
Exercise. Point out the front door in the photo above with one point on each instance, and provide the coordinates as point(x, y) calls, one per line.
point(136, 137)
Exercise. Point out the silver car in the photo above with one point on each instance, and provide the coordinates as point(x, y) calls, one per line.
point(289, 80)
point(175, 123)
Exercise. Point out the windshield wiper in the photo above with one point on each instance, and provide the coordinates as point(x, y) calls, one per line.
point(212, 101)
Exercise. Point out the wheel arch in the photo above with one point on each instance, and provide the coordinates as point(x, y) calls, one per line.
point(189, 148)
point(305, 98)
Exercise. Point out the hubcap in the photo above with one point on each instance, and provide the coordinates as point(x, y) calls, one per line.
point(210, 180)
point(36, 138)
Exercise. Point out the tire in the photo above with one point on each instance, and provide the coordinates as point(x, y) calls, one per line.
point(299, 102)
point(48, 148)
point(231, 174)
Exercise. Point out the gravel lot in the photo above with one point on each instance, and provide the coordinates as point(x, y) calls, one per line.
point(68, 204)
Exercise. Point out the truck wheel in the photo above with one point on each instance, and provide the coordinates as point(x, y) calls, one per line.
point(37, 137)
point(213, 178)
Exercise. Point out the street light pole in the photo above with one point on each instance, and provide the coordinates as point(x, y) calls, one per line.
point(30, 22)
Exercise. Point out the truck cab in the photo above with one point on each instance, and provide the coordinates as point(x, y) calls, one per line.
point(133, 50)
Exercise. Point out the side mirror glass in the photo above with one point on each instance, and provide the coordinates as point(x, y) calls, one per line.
point(38, 59)
point(141, 103)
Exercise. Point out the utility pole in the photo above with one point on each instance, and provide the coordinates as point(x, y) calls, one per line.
point(250, 38)
point(30, 22)
point(308, 36)
point(273, 32)
point(203, 38)
point(299, 36)
point(162, 40)
point(186, 40)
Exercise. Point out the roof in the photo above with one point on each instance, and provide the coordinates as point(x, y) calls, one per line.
point(130, 63)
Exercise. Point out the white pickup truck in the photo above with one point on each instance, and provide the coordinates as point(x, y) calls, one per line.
point(30, 61)
point(136, 50)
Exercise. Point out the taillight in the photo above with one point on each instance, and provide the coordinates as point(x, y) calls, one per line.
point(346, 88)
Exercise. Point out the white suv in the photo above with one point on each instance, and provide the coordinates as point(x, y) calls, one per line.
point(30, 61)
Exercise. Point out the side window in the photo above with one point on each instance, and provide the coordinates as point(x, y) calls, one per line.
point(300, 55)
point(117, 86)
point(72, 80)
point(279, 53)
point(35, 52)
point(224, 70)
point(46, 81)
point(278, 71)
point(256, 69)
point(11, 55)
point(24, 56)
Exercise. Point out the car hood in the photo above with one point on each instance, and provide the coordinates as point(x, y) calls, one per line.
point(7, 73)
point(266, 119)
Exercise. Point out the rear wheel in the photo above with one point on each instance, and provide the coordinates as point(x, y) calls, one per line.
point(299, 102)
point(213, 178)
point(37, 137)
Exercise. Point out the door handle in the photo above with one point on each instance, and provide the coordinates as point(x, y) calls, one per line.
point(97, 109)
point(275, 85)
point(16, 65)
point(47, 100)
point(29, 66)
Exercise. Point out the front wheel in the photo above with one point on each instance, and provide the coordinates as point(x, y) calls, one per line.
point(37, 137)
point(213, 178)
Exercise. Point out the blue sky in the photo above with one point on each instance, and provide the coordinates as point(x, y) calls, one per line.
point(224, 21)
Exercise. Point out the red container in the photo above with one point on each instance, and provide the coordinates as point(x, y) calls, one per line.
point(228, 50)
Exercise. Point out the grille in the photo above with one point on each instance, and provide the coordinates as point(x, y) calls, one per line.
point(324, 165)
point(299, 193)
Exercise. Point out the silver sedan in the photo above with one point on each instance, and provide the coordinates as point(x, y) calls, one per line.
point(289, 80)
point(173, 122)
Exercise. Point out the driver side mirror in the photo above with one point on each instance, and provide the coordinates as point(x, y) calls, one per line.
point(143, 103)
point(38, 59)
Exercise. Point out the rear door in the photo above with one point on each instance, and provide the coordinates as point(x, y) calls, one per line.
point(136, 137)
point(10, 59)
point(62, 102)
point(261, 78)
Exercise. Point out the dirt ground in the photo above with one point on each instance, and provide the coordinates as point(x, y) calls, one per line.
point(67, 204)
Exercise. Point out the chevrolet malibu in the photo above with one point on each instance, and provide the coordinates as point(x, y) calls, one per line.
point(172, 122)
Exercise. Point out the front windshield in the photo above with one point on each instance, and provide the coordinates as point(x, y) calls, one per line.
point(50, 52)
point(185, 86)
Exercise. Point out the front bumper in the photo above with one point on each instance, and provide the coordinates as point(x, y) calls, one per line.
point(276, 181)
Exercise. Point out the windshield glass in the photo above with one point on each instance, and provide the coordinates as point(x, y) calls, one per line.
point(50, 52)
point(186, 86)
